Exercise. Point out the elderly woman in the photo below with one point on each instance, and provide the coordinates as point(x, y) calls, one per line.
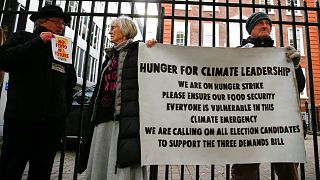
point(115, 146)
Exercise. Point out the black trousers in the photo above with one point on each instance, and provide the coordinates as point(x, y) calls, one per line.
point(33, 141)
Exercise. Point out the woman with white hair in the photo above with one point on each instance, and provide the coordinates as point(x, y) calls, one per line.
point(114, 111)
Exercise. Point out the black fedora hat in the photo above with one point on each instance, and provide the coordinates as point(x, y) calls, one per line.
point(50, 11)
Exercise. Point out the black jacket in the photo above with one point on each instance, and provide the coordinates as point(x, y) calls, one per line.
point(301, 81)
point(35, 89)
point(128, 149)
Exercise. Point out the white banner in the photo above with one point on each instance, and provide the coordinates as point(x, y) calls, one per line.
point(201, 106)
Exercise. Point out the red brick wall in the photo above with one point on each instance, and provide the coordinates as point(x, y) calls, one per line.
point(167, 24)
point(314, 43)
point(221, 13)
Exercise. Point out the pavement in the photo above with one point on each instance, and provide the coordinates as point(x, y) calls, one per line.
point(189, 171)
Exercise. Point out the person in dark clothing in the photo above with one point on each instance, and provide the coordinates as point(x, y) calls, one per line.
point(259, 27)
point(40, 91)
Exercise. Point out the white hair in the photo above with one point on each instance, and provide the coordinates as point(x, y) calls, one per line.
point(126, 25)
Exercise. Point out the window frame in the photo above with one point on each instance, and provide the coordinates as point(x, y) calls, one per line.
point(299, 34)
point(180, 26)
point(296, 4)
point(207, 28)
point(270, 2)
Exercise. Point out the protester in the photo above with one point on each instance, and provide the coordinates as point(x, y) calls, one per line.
point(115, 146)
point(259, 27)
point(40, 91)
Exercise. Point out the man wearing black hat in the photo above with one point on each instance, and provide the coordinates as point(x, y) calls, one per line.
point(259, 27)
point(40, 91)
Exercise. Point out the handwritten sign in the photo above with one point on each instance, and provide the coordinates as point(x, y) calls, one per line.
point(62, 49)
point(203, 106)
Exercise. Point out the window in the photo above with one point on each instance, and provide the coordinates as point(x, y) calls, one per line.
point(19, 8)
point(234, 33)
point(210, 7)
point(150, 28)
point(181, 6)
point(98, 38)
point(84, 27)
point(72, 8)
point(269, 2)
point(299, 39)
point(179, 33)
point(46, 3)
point(180, 38)
point(204, 8)
point(126, 7)
point(296, 3)
point(58, 3)
point(113, 7)
point(92, 70)
point(273, 35)
point(90, 59)
point(92, 35)
point(207, 35)
point(80, 64)
point(80, 27)
point(76, 61)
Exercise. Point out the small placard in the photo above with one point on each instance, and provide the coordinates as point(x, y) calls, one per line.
point(62, 49)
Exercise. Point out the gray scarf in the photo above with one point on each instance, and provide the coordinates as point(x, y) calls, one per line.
point(118, 47)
